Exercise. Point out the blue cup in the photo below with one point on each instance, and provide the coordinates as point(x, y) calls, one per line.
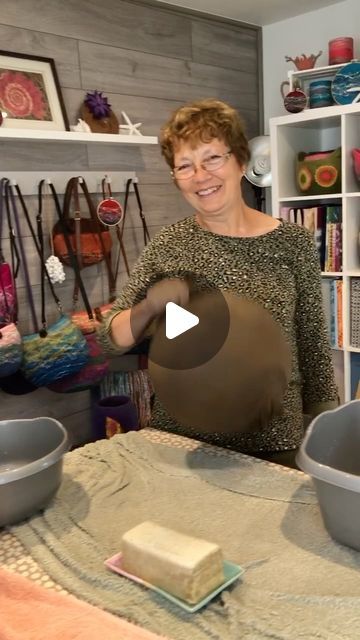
point(320, 94)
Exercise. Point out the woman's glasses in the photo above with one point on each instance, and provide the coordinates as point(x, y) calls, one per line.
point(187, 170)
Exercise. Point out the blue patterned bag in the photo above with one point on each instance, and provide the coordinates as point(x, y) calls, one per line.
point(54, 351)
point(58, 351)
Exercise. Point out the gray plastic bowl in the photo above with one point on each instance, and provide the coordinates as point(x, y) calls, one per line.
point(330, 453)
point(31, 457)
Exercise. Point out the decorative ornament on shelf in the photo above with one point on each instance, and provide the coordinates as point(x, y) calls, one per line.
point(345, 87)
point(96, 112)
point(129, 128)
point(81, 127)
point(3, 115)
point(304, 62)
point(295, 100)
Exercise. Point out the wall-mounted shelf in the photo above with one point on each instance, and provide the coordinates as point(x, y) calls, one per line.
point(7, 133)
point(312, 74)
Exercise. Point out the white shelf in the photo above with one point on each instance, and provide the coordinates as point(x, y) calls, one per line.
point(7, 133)
point(308, 117)
point(332, 274)
point(316, 72)
point(330, 196)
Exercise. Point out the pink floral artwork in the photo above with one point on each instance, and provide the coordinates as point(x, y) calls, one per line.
point(23, 95)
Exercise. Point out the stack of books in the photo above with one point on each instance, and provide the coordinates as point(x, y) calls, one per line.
point(325, 222)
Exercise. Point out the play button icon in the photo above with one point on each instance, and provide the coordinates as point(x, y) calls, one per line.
point(178, 320)
point(187, 336)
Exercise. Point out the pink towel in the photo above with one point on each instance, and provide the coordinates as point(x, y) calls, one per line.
point(31, 612)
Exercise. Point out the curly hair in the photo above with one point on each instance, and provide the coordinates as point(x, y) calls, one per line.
point(201, 121)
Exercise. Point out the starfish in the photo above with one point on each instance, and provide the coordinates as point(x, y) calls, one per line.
point(130, 127)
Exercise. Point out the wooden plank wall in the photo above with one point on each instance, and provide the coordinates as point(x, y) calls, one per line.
point(148, 59)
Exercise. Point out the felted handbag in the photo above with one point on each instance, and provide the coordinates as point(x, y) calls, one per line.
point(10, 339)
point(53, 351)
point(8, 306)
point(10, 350)
point(88, 324)
point(97, 364)
point(319, 173)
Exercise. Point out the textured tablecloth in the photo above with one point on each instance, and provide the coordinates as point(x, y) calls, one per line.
point(298, 584)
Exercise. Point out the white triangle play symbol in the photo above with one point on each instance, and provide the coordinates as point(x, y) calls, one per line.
point(178, 320)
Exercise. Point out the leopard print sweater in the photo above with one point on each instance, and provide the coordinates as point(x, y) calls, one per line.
point(280, 270)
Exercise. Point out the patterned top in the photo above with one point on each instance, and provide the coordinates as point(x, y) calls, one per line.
point(279, 270)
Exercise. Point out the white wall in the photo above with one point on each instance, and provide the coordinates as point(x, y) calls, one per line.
point(308, 33)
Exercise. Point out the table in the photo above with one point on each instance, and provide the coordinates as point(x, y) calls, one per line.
point(298, 582)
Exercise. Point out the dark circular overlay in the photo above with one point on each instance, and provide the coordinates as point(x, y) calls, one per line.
point(200, 343)
point(217, 385)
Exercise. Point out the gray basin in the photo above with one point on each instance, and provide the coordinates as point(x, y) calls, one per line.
point(330, 453)
point(31, 457)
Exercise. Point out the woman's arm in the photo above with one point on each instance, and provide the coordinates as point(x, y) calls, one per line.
point(141, 301)
point(130, 325)
point(314, 352)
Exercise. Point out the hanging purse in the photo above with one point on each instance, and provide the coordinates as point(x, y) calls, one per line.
point(89, 239)
point(8, 306)
point(53, 351)
point(97, 365)
point(110, 213)
point(10, 339)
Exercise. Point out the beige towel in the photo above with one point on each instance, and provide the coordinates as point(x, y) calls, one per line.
point(31, 612)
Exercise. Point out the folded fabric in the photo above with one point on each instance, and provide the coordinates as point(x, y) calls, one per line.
point(31, 612)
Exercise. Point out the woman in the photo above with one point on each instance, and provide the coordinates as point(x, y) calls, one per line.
point(242, 251)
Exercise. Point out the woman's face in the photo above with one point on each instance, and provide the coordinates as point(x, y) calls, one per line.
point(209, 191)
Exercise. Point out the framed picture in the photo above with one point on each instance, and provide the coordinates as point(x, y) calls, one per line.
point(30, 93)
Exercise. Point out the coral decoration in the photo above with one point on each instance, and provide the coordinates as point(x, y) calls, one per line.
point(304, 62)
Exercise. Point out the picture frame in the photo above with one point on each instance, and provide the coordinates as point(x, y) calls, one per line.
point(30, 93)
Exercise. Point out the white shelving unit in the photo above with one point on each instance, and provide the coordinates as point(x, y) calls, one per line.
point(321, 130)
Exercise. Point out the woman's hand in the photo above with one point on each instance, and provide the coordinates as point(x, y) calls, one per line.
point(169, 290)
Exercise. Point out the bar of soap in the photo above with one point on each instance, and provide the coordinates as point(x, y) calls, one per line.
point(187, 567)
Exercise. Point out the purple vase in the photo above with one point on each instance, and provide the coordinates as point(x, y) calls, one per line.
point(112, 415)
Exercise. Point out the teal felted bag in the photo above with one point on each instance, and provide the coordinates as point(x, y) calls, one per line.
point(54, 351)
point(319, 173)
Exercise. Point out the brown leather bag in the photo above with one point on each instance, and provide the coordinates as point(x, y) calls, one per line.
point(89, 238)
